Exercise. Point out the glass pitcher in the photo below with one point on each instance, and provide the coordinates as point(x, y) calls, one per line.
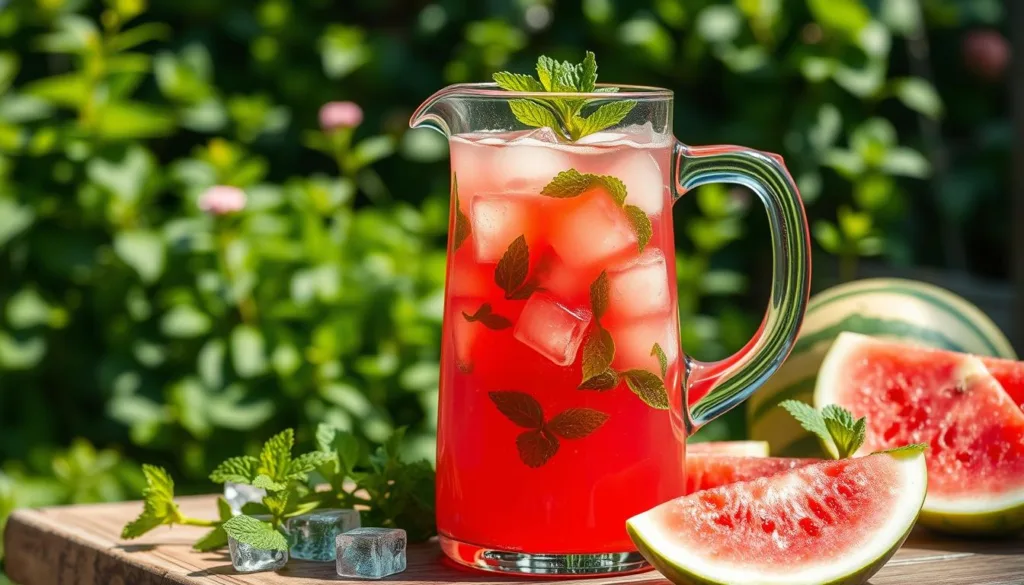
point(560, 351)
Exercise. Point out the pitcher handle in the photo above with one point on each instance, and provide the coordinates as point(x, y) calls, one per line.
point(712, 389)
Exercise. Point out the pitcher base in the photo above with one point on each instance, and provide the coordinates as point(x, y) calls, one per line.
point(542, 564)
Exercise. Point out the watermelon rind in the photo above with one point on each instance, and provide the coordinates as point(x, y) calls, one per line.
point(729, 448)
point(974, 515)
point(887, 308)
point(682, 566)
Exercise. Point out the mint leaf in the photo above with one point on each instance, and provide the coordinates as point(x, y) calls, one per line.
point(517, 82)
point(606, 380)
point(519, 407)
point(812, 421)
point(462, 226)
point(648, 387)
point(534, 114)
point(536, 447)
point(587, 73)
point(224, 509)
point(572, 183)
point(265, 483)
point(598, 353)
point(510, 273)
point(613, 186)
point(545, 71)
point(605, 116)
point(255, 508)
point(847, 434)
point(277, 455)
point(641, 225)
point(576, 423)
point(599, 296)
point(568, 184)
point(300, 467)
point(236, 470)
point(662, 359)
point(342, 444)
point(158, 505)
point(212, 540)
point(905, 448)
point(488, 318)
point(255, 533)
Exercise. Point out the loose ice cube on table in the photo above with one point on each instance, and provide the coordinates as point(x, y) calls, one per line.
point(313, 536)
point(591, 229)
point(645, 182)
point(371, 553)
point(640, 286)
point(497, 221)
point(552, 329)
point(240, 494)
point(246, 559)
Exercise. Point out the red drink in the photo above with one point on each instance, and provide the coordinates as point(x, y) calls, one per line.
point(527, 460)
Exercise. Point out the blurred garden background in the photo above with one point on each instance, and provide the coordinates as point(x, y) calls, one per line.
point(142, 323)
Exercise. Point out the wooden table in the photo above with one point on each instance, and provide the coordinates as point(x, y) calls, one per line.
point(79, 545)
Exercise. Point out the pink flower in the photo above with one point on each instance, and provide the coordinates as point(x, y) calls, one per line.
point(337, 115)
point(987, 53)
point(222, 199)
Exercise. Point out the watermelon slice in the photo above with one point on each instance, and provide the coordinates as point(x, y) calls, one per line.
point(733, 448)
point(830, 522)
point(705, 471)
point(950, 401)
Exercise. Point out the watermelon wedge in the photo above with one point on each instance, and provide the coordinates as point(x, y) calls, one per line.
point(733, 448)
point(705, 471)
point(951, 402)
point(830, 522)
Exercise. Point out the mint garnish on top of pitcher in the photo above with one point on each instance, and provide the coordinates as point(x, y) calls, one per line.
point(563, 114)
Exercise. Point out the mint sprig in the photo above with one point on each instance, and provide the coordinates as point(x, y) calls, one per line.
point(389, 491)
point(839, 433)
point(562, 114)
point(539, 442)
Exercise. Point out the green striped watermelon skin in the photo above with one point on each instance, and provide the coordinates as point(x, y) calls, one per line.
point(888, 308)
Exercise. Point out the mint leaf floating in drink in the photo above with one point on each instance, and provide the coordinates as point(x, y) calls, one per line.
point(563, 114)
point(599, 295)
point(462, 227)
point(511, 271)
point(519, 407)
point(485, 316)
point(572, 183)
point(577, 423)
point(606, 380)
point(659, 353)
point(598, 353)
point(539, 443)
point(648, 387)
point(536, 447)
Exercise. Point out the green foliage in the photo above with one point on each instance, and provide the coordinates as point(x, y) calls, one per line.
point(838, 432)
point(321, 301)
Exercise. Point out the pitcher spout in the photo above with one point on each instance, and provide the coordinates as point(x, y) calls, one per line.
point(445, 111)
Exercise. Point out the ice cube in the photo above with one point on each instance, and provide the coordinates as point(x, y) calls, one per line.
point(552, 329)
point(498, 220)
point(246, 559)
point(590, 230)
point(646, 184)
point(240, 494)
point(635, 339)
point(602, 138)
point(639, 287)
point(313, 536)
point(527, 165)
point(545, 135)
point(371, 553)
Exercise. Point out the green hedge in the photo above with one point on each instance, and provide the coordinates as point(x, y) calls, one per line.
point(134, 326)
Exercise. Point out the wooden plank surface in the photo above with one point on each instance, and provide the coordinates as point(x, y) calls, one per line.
point(79, 545)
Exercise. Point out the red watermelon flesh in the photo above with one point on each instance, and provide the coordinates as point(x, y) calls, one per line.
point(1010, 375)
point(707, 471)
point(949, 401)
